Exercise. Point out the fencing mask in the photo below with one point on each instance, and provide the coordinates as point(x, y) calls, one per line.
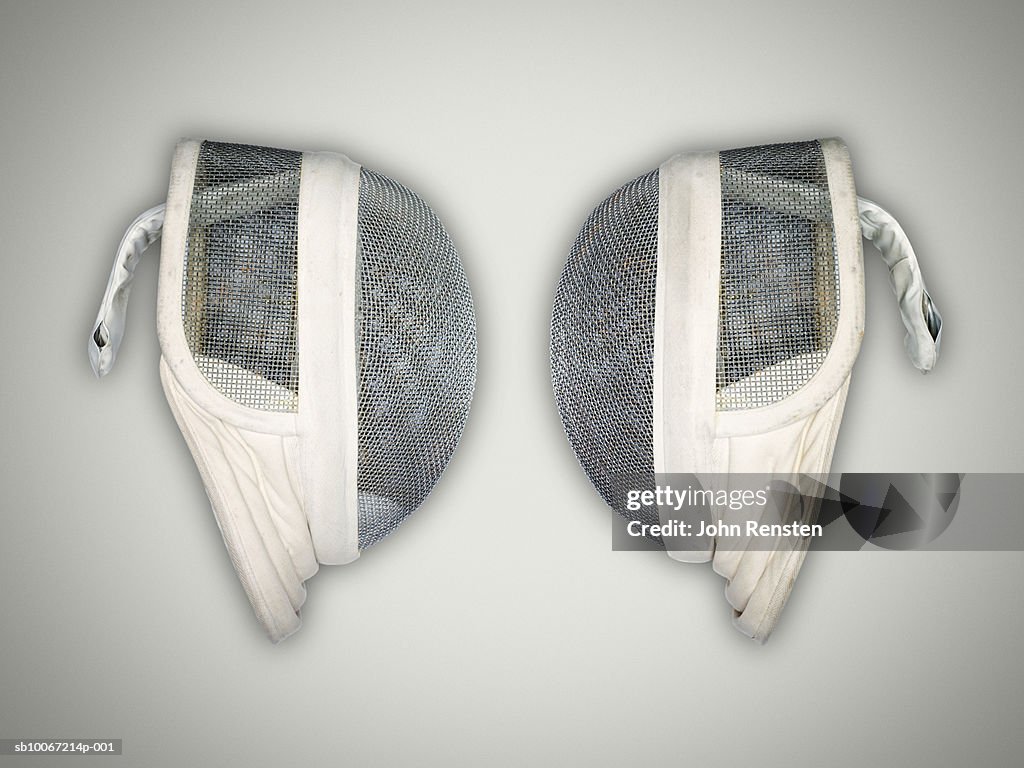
point(706, 324)
point(318, 351)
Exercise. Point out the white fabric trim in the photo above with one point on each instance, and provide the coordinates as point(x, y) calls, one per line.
point(169, 328)
point(850, 328)
point(328, 415)
point(686, 319)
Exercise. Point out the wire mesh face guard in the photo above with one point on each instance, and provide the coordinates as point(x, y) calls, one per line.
point(706, 323)
point(318, 351)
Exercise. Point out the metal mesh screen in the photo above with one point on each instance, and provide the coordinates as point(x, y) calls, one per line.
point(779, 300)
point(602, 343)
point(239, 293)
point(417, 353)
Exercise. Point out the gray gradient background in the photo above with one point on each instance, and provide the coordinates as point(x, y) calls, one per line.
point(497, 627)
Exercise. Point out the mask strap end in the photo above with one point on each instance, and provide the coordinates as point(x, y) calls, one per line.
point(917, 309)
point(108, 330)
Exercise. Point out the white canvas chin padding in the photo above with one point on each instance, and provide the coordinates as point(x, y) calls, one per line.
point(318, 351)
point(706, 324)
